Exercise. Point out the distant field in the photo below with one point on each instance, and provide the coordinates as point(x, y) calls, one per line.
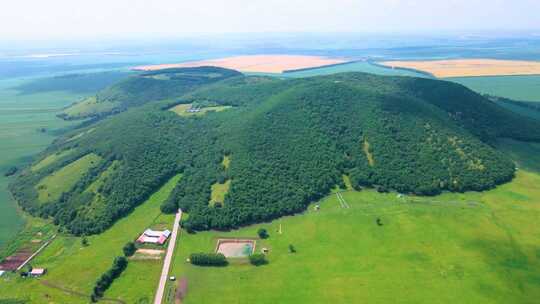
point(525, 88)
point(76, 268)
point(470, 67)
point(254, 63)
point(358, 66)
point(23, 117)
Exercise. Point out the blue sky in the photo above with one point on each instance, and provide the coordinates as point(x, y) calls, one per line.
point(46, 19)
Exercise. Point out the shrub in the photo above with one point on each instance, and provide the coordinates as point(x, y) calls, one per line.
point(129, 249)
point(84, 241)
point(208, 259)
point(263, 234)
point(258, 259)
point(291, 248)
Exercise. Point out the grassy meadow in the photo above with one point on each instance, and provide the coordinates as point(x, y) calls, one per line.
point(454, 248)
point(25, 124)
point(53, 185)
point(525, 88)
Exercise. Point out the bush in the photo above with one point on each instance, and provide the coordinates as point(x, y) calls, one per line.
point(263, 234)
point(258, 259)
point(129, 249)
point(208, 259)
point(291, 248)
point(84, 241)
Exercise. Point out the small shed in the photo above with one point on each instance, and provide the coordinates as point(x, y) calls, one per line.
point(37, 272)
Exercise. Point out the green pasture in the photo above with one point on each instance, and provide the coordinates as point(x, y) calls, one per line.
point(453, 248)
point(26, 122)
point(526, 88)
point(89, 106)
point(74, 268)
point(52, 186)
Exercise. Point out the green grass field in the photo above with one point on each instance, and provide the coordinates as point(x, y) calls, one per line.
point(526, 88)
point(52, 186)
point(22, 118)
point(75, 268)
point(454, 248)
point(89, 106)
point(50, 159)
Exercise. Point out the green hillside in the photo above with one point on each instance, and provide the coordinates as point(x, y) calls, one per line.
point(288, 142)
point(148, 86)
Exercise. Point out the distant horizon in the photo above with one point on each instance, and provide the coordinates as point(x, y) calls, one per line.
point(110, 42)
point(35, 20)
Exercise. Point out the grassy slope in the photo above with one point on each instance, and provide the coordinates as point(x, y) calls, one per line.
point(49, 160)
point(76, 268)
point(429, 250)
point(52, 186)
point(89, 106)
point(514, 87)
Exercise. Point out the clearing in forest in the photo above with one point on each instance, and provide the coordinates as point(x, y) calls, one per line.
point(190, 110)
point(52, 186)
point(469, 67)
point(367, 151)
point(254, 63)
point(50, 159)
point(219, 191)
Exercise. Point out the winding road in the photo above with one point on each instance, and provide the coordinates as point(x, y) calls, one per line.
point(168, 258)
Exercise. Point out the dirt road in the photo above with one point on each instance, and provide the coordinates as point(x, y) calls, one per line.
point(168, 258)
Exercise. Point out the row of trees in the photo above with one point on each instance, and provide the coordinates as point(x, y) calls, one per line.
point(208, 259)
point(105, 281)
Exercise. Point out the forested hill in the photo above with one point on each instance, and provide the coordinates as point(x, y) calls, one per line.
point(147, 86)
point(275, 146)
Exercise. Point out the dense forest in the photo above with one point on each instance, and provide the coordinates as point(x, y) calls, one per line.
point(289, 143)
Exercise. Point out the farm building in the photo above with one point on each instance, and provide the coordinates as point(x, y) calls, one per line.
point(154, 237)
point(37, 272)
